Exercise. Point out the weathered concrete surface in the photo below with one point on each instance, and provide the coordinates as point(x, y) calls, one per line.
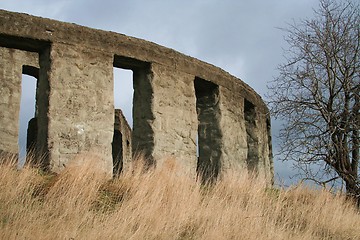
point(174, 111)
point(81, 106)
point(75, 108)
point(234, 145)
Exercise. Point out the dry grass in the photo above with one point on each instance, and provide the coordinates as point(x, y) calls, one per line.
point(164, 204)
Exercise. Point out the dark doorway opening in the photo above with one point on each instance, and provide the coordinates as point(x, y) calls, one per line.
point(251, 136)
point(133, 95)
point(209, 134)
point(123, 122)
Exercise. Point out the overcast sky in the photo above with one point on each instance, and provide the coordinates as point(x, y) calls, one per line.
point(241, 37)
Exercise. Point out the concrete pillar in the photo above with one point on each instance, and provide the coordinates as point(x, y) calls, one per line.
point(80, 110)
point(265, 166)
point(121, 145)
point(232, 124)
point(174, 121)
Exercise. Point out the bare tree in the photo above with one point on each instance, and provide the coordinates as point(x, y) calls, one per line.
point(317, 95)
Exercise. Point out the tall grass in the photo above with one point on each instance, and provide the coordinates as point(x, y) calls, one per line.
point(164, 204)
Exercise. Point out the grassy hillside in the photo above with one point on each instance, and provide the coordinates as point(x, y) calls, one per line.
point(164, 204)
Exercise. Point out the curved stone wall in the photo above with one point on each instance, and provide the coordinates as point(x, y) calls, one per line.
point(182, 107)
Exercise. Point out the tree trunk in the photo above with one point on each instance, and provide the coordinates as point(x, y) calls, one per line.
point(353, 192)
